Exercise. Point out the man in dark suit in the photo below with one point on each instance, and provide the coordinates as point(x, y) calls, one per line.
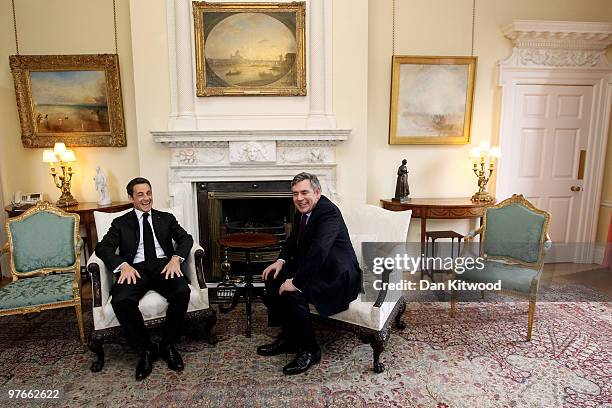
point(318, 265)
point(147, 260)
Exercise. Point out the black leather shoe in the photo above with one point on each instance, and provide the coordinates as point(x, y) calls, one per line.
point(278, 346)
point(302, 362)
point(171, 356)
point(145, 364)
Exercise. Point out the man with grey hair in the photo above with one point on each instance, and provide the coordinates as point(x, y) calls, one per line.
point(318, 265)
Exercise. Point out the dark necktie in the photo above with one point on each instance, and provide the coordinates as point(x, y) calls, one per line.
point(302, 228)
point(147, 240)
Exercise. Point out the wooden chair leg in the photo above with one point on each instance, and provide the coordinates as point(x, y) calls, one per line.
point(97, 347)
point(453, 303)
point(399, 323)
point(209, 332)
point(532, 306)
point(79, 315)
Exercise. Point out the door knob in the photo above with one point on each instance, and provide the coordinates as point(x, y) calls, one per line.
point(575, 188)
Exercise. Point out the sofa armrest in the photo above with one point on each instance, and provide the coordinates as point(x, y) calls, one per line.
point(194, 270)
point(101, 280)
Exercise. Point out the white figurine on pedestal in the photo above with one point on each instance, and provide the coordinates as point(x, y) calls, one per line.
point(102, 187)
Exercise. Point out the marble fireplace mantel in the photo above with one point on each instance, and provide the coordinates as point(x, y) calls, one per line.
point(246, 155)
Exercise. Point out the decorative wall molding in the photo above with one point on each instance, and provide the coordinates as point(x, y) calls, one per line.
point(558, 43)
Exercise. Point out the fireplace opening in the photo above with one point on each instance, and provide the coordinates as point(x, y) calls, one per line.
point(233, 207)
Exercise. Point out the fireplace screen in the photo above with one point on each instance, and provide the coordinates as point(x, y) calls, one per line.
point(233, 207)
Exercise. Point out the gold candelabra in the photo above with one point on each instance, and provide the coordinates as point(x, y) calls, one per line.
point(483, 160)
point(62, 180)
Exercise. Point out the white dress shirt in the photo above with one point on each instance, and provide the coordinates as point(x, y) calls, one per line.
point(140, 252)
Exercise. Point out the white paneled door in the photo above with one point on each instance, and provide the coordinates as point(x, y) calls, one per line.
point(547, 154)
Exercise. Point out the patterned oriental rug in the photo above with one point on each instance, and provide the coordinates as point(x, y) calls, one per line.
point(478, 359)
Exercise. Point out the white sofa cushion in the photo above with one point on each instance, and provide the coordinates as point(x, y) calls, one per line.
point(152, 306)
point(363, 314)
point(368, 223)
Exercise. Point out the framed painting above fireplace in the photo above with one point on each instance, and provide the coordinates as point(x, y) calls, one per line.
point(250, 48)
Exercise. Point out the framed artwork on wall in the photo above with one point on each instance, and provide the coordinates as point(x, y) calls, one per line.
point(431, 99)
point(74, 99)
point(250, 48)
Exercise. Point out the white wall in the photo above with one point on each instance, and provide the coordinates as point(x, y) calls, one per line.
point(65, 27)
point(443, 27)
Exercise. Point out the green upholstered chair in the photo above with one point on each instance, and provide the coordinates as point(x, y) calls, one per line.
point(513, 243)
point(44, 249)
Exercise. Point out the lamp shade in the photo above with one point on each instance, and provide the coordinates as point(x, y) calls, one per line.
point(49, 156)
point(68, 156)
point(495, 152)
point(59, 148)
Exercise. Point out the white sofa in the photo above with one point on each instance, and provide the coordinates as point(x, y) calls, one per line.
point(371, 319)
point(152, 306)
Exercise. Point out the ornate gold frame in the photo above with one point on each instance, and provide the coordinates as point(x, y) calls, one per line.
point(201, 7)
point(399, 60)
point(8, 248)
point(21, 65)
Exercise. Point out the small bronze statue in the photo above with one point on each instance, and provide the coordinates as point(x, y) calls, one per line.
point(402, 190)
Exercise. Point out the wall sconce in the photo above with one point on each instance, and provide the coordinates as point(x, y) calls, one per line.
point(480, 156)
point(63, 158)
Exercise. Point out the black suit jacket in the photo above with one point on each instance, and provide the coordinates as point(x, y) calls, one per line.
point(124, 233)
point(324, 264)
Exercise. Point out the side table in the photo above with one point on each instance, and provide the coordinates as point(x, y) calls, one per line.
point(248, 244)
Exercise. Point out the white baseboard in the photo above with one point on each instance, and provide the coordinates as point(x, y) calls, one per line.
point(598, 253)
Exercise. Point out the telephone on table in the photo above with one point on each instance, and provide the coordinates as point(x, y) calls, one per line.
point(21, 200)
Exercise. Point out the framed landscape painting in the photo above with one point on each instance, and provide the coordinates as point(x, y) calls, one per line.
point(74, 99)
point(250, 48)
point(431, 100)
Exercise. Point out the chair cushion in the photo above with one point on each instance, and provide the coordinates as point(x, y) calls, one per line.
point(38, 290)
point(514, 231)
point(43, 240)
point(152, 306)
point(513, 277)
point(363, 314)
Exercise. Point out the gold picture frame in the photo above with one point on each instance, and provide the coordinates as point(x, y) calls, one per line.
point(431, 99)
point(73, 99)
point(244, 49)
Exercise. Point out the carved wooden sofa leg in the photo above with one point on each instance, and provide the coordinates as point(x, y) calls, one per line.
point(399, 323)
point(96, 345)
point(378, 343)
point(209, 328)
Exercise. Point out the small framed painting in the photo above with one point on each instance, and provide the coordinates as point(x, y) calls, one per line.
point(431, 100)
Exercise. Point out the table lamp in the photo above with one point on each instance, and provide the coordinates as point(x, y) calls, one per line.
point(483, 160)
point(63, 157)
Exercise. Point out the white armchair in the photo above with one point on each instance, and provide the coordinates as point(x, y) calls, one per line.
point(152, 306)
point(371, 319)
